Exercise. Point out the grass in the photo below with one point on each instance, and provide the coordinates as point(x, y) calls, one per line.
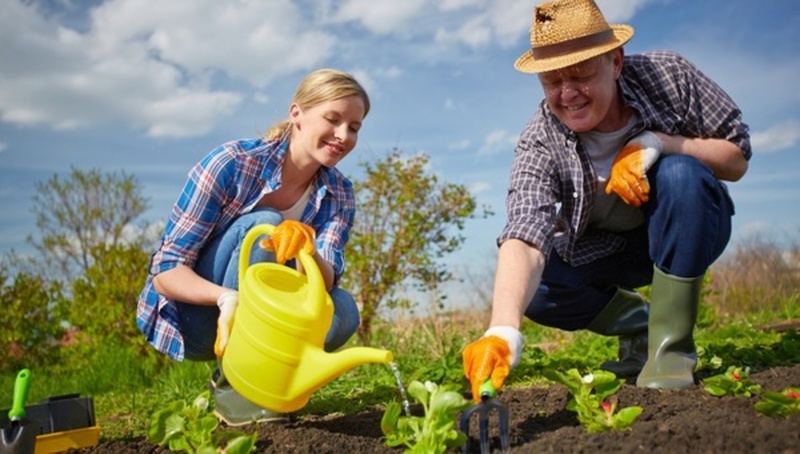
point(126, 392)
point(739, 306)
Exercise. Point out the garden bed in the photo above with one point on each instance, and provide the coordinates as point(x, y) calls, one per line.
point(688, 420)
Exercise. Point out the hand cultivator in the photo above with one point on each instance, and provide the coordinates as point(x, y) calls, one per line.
point(487, 404)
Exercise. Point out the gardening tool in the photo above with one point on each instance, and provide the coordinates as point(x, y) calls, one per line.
point(20, 435)
point(487, 404)
point(275, 356)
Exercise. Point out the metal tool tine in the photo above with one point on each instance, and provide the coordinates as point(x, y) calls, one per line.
point(484, 409)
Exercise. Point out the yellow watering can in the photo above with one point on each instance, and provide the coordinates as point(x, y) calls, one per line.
point(275, 356)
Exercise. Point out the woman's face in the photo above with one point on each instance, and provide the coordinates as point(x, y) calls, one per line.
point(327, 132)
point(583, 96)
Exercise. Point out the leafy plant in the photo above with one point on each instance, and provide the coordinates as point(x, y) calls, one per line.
point(434, 432)
point(192, 428)
point(589, 393)
point(785, 403)
point(733, 382)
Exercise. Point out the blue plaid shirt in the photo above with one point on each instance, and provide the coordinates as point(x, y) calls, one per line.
point(553, 184)
point(226, 184)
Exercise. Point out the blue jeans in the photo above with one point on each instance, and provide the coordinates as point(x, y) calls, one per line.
point(219, 262)
point(687, 226)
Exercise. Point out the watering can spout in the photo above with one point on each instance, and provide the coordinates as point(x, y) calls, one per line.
point(318, 367)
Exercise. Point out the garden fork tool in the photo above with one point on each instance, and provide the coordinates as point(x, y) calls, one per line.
point(487, 404)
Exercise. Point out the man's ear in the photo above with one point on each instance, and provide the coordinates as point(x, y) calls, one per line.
point(618, 57)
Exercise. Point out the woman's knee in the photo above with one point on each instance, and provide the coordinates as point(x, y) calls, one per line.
point(256, 217)
point(346, 310)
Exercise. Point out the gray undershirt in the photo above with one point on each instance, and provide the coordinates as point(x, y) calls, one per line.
point(609, 212)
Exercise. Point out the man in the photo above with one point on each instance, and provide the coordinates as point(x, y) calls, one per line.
point(614, 185)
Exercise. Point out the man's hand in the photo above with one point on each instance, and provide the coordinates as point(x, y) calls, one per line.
point(227, 303)
point(288, 238)
point(492, 356)
point(628, 177)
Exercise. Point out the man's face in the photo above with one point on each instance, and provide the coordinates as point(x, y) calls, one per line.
point(584, 96)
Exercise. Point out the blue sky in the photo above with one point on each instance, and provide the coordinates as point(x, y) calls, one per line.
point(149, 86)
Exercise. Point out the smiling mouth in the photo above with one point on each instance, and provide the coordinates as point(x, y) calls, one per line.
point(336, 149)
point(574, 108)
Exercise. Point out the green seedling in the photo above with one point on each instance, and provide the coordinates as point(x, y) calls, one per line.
point(194, 429)
point(594, 401)
point(785, 403)
point(435, 432)
point(733, 382)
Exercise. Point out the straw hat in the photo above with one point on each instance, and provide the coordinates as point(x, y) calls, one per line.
point(566, 32)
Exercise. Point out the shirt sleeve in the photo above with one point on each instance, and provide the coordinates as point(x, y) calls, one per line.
point(333, 223)
point(197, 211)
point(698, 106)
point(532, 196)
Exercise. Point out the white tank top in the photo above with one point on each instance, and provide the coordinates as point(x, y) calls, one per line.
point(295, 212)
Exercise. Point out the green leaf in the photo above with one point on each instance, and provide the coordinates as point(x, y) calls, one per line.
point(390, 416)
point(626, 416)
point(715, 390)
point(417, 390)
point(241, 444)
point(448, 402)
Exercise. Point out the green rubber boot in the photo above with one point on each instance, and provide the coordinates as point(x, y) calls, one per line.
point(625, 316)
point(232, 408)
point(673, 311)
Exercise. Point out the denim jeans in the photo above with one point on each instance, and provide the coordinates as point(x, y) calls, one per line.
point(219, 262)
point(687, 226)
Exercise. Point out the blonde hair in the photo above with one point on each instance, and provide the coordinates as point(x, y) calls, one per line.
point(320, 86)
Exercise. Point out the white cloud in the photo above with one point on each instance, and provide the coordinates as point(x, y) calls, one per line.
point(474, 32)
point(459, 145)
point(453, 5)
point(779, 137)
point(155, 71)
point(381, 17)
point(184, 113)
point(616, 11)
point(480, 187)
point(244, 39)
point(261, 98)
point(3, 147)
point(392, 72)
point(504, 21)
point(497, 141)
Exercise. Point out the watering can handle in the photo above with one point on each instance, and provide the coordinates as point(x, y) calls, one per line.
point(316, 284)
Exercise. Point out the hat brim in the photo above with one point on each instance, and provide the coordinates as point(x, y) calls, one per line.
point(527, 64)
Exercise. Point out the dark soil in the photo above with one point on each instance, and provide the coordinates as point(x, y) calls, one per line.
point(673, 421)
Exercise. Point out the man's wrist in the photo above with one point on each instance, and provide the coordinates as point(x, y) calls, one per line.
point(513, 338)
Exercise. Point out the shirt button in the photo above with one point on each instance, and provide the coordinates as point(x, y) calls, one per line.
point(575, 195)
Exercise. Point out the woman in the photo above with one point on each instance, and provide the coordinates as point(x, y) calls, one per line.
point(287, 179)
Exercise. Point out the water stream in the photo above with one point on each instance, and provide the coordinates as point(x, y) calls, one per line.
point(403, 394)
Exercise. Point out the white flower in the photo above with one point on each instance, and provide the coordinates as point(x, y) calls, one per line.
point(430, 386)
point(201, 403)
point(588, 378)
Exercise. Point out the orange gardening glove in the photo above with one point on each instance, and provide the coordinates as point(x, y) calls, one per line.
point(288, 238)
point(227, 303)
point(628, 177)
point(492, 356)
